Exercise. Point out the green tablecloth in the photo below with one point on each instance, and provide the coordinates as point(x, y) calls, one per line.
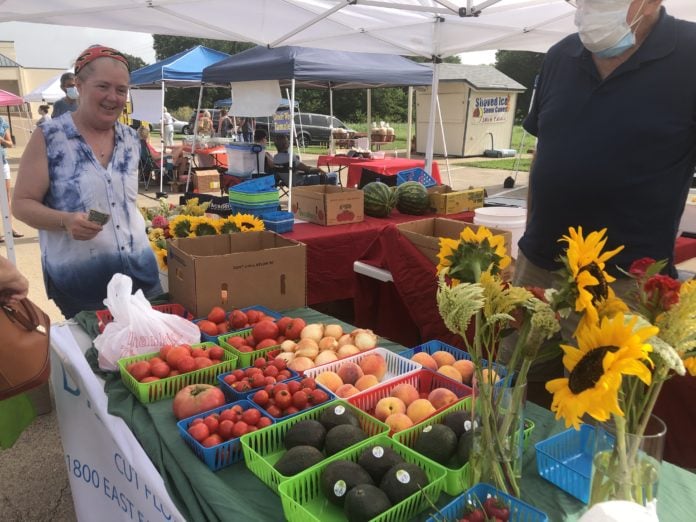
point(234, 493)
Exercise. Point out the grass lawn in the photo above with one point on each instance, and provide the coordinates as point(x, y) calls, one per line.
point(503, 164)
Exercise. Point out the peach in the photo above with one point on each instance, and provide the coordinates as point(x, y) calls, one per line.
point(347, 350)
point(450, 371)
point(441, 397)
point(406, 392)
point(487, 376)
point(398, 422)
point(388, 406)
point(442, 358)
point(419, 410)
point(330, 380)
point(325, 357)
point(365, 382)
point(374, 364)
point(466, 368)
point(425, 360)
point(349, 372)
point(346, 390)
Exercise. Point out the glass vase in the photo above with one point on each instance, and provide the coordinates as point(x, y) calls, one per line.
point(498, 441)
point(626, 466)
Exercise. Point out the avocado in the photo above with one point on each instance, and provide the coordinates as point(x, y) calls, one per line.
point(339, 477)
point(377, 460)
point(437, 442)
point(341, 437)
point(457, 421)
point(306, 433)
point(336, 416)
point(402, 481)
point(365, 502)
point(464, 446)
point(298, 459)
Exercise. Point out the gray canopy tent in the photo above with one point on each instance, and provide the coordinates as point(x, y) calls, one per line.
point(317, 68)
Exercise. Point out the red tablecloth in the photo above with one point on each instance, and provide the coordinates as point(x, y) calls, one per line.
point(331, 252)
point(387, 166)
point(339, 161)
point(684, 249)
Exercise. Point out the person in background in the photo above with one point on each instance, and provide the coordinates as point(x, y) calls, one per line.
point(248, 127)
point(69, 102)
point(261, 138)
point(303, 174)
point(13, 285)
point(78, 184)
point(205, 124)
point(226, 126)
point(43, 111)
point(6, 143)
point(617, 90)
point(168, 124)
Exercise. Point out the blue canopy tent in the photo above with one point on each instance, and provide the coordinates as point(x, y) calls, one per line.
point(184, 69)
point(318, 68)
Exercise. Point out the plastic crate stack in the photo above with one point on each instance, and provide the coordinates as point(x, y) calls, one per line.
point(256, 196)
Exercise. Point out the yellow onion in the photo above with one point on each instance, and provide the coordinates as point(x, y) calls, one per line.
point(328, 343)
point(365, 340)
point(286, 356)
point(333, 330)
point(300, 364)
point(345, 339)
point(313, 331)
point(325, 357)
point(347, 350)
point(288, 345)
point(307, 351)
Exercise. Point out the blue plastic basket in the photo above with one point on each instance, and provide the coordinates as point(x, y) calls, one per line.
point(234, 395)
point(262, 184)
point(214, 338)
point(256, 210)
point(565, 460)
point(222, 455)
point(416, 174)
point(331, 395)
point(476, 496)
point(434, 346)
point(279, 222)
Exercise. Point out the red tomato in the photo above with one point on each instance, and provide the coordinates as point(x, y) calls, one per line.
point(212, 422)
point(213, 440)
point(225, 429)
point(197, 398)
point(251, 416)
point(265, 329)
point(217, 315)
point(216, 352)
point(140, 370)
point(199, 431)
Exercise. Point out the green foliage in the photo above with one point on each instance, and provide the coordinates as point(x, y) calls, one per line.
point(521, 66)
point(134, 62)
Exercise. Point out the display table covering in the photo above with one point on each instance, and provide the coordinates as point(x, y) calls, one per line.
point(388, 167)
point(234, 493)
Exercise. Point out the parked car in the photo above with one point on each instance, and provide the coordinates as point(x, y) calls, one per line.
point(310, 127)
point(180, 127)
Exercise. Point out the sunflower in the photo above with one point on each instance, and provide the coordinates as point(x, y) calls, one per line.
point(203, 226)
point(181, 226)
point(586, 262)
point(248, 223)
point(155, 234)
point(227, 225)
point(690, 365)
point(471, 254)
point(605, 353)
point(161, 256)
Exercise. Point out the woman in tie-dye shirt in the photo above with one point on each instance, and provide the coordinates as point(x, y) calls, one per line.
point(84, 161)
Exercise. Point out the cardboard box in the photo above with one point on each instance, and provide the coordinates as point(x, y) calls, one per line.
point(443, 200)
point(237, 270)
point(328, 204)
point(425, 234)
point(207, 180)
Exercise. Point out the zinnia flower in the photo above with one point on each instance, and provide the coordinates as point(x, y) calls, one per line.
point(605, 353)
point(662, 291)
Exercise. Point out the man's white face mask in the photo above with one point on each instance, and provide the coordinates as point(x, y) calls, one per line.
point(603, 28)
point(72, 93)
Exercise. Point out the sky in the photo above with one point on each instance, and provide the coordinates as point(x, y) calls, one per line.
point(66, 43)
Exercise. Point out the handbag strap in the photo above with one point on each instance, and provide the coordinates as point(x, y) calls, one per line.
point(25, 314)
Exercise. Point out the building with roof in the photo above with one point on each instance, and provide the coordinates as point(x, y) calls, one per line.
point(477, 104)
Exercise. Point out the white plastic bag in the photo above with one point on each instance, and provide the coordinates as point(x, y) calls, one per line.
point(137, 328)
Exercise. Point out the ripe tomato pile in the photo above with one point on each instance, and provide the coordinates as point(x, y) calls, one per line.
point(261, 374)
point(229, 424)
point(267, 333)
point(175, 360)
point(288, 398)
point(219, 322)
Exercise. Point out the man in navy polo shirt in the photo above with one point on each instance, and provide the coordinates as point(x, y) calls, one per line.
point(615, 117)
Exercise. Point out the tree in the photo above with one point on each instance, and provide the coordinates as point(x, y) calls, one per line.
point(134, 62)
point(521, 66)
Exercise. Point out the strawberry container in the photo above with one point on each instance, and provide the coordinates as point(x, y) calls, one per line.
point(216, 338)
point(303, 499)
point(424, 381)
point(476, 496)
point(565, 460)
point(221, 455)
point(263, 448)
point(328, 392)
point(167, 387)
point(104, 317)
point(396, 364)
point(234, 395)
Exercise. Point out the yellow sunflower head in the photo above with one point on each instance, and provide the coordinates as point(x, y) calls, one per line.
point(690, 365)
point(248, 223)
point(161, 256)
point(203, 226)
point(181, 226)
point(606, 352)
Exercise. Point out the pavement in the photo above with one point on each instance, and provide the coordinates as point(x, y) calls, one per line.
point(34, 484)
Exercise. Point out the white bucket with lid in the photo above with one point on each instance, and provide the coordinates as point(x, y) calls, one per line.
point(513, 219)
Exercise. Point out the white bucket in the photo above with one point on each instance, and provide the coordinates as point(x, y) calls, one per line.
point(513, 219)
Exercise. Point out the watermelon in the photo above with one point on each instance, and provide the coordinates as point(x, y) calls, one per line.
point(379, 199)
point(412, 198)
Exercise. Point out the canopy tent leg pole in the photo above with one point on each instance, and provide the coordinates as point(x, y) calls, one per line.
point(444, 142)
point(162, 193)
point(195, 135)
point(434, 88)
point(511, 180)
point(290, 150)
point(409, 132)
point(332, 149)
point(369, 119)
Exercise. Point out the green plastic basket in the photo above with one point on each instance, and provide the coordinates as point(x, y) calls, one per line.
point(303, 500)
point(244, 358)
point(458, 479)
point(263, 448)
point(167, 388)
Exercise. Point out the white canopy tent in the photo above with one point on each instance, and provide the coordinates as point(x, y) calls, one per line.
point(49, 91)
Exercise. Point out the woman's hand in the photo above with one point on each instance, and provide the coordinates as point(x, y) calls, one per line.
point(13, 286)
point(80, 228)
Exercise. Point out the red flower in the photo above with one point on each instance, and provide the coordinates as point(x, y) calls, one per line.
point(662, 291)
point(640, 266)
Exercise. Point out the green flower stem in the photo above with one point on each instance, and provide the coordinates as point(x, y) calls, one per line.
point(621, 449)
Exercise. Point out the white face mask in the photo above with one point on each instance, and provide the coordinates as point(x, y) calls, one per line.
point(602, 26)
point(72, 93)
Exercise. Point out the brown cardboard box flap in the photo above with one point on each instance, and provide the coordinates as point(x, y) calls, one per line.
point(328, 204)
